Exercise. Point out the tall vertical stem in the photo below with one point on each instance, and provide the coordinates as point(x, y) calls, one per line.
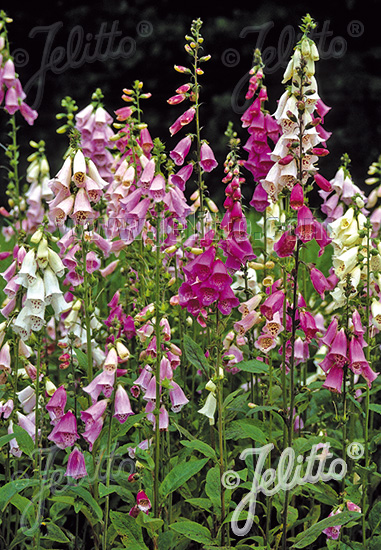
point(157, 371)
point(367, 396)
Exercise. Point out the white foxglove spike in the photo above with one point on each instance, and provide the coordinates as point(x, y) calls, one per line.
point(42, 253)
point(35, 297)
point(59, 304)
point(22, 324)
point(27, 274)
point(79, 168)
point(55, 263)
point(51, 285)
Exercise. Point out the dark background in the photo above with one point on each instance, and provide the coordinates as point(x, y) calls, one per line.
point(348, 74)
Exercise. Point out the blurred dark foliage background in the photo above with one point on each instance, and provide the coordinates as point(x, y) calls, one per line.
point(348, 74)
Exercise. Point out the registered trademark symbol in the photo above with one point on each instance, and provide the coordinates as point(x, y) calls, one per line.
point(355, 28)
point(355, 450)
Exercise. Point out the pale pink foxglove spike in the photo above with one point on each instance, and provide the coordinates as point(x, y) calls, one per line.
point(11, 101)
point(157, 188)
point(95, 175)
point(122, 406)
point(64, 433)
point(56, 405)
point(94, 412)
point(58, 213)
point(102, 383)
point(14, 447)
point(76, 467)
point(27, 424)
point(177, 397)
point(28, 113)
point(93, 262)
point(92, 433)
point(147, 175)
point(7, 408)
point(93, 189)
point(111, 361)
point(181, 150)
point(27, 399)
point(207, 159)
point(82, 211)
point(182, 176)
point(5, 358)
point(8, 73)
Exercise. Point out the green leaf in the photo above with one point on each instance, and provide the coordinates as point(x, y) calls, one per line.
point(374, 407)
point(25, 506)
point(375, 518)
point(213, 487)
point(151, 524)
point(55, 533)
point(129, 423)
point(89, 500)
point(243, 429)
point(25, 442)
point(203, 503)
point(305, 538)
point(193, 531)
point(201, 447)
point(9, 490)
point(5, 439)
point(180, 475)
point(128, 529)
point(82, 358)
point(254, 366)
point(194, 354)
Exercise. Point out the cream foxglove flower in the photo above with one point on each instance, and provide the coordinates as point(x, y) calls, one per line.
point(376, 314)
point(209, 408)
point(345, 262)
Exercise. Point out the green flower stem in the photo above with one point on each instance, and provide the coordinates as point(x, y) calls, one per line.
point(37, 453)
point(290, 419)
point(108, 473)
point(87, 307)
point(367, 395)
point(156, 412)
point(198, 136)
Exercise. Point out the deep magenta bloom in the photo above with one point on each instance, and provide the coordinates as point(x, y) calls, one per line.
point(227, 301)
point(319, 281)
point(260, 200)
point(272, 304)
point(76, 467)
point(306, 227)
point(297, 197)
point(334, 380)
point(285, 246)
point(64, 433)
